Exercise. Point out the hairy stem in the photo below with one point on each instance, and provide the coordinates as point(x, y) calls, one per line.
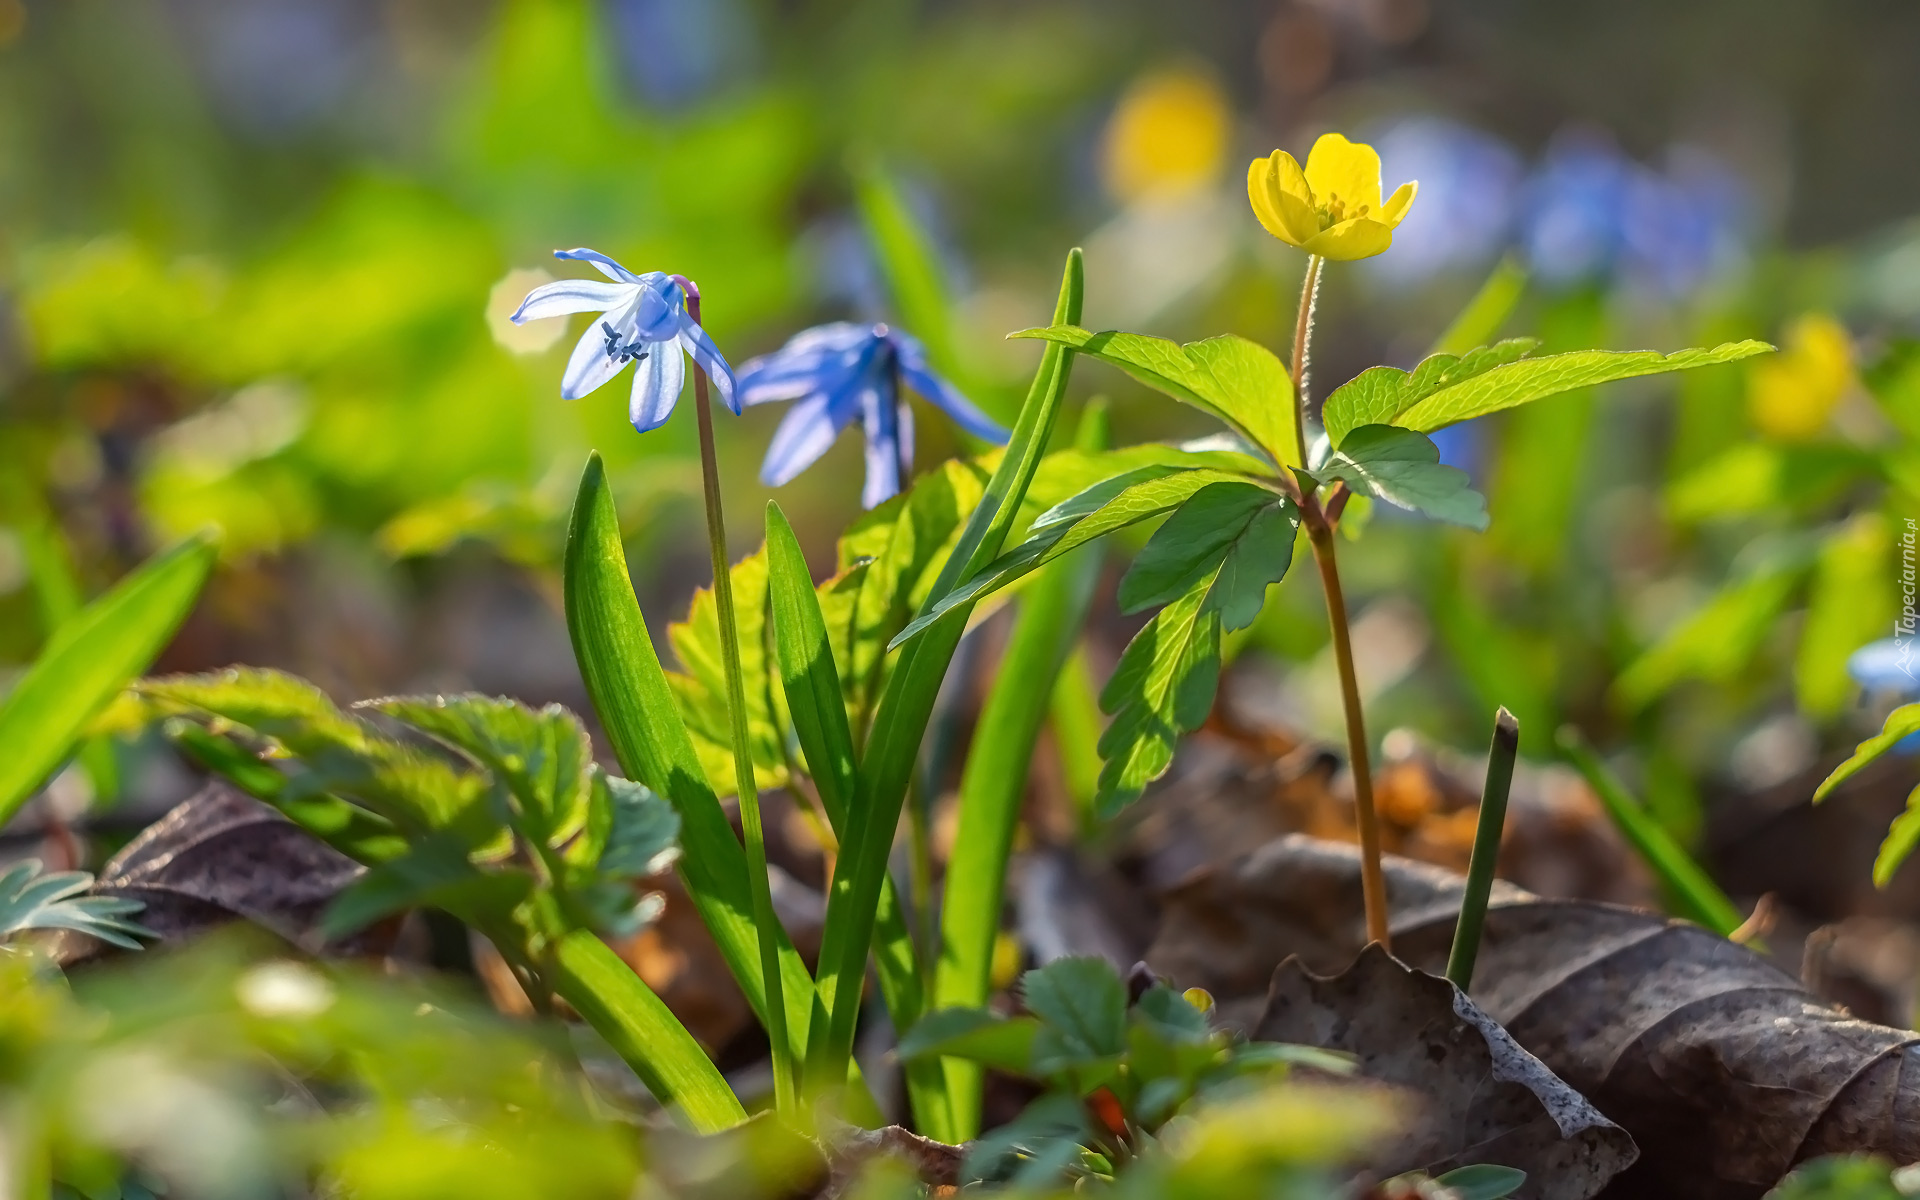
point(785, 1083)
point(1486, 849)
point(1320, 525)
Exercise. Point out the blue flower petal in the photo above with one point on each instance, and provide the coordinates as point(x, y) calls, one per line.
point(565, 296)
point(803, 436)
point(882, 421)
point(948, 399)
point(657, 381)
point(606, 266)
point(1887, 666)
point(709, 359)
point(591, 365)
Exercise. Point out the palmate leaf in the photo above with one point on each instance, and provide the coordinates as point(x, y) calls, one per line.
point(1161, 688)
point(1444, 389)
point(1236, 380)
point(1240, 532)
point(1404, 469)
point(32, 900)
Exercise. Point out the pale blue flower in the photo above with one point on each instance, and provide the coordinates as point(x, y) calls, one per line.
point(843, 371)
point(644, 320)
point(1887, 666)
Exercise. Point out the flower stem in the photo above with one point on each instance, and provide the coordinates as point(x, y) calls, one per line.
point(785, 1084)
point(1486, 849)
point(1320, 533)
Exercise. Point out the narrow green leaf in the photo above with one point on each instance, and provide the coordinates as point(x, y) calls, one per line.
point(1083, 1000)
point(642, 1030)
point(31, 899)
point(1482, 1181)
point(1241, 534)
point(1161, 688)
point(1719, 639)
point(1113, 504)
point(1238, 381)
point(1404, 469)
point(1698, 897)
point(1901, 723)
point(901, 721)
point(636, 706)
point(808, 674)
point(1533, 379)
point(88, 660)
point(1487, 311)
point(1379, 394)
point(977, 1035)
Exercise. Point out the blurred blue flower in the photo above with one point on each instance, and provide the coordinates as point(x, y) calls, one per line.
point(841, 371)
point(1683, 226)
point(676, 53)
point(1469, 181)
point(1886, 666)
point(1574, 210)
point(645, 322)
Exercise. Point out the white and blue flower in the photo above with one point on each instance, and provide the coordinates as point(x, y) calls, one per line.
point(644, 321)
point(839, 372)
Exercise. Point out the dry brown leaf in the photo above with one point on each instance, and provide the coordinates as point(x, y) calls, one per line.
point(1485, 1100)
point(1722, 1068)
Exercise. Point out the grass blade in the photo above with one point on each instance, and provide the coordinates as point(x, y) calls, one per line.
point(630, 692)
point(1486, 849)
point(1694, 892)
point(904, 710)
point(89, 659)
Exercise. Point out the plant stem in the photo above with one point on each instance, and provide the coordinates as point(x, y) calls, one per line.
point(1486, 849)
point(785, 1084)
point(1319, 526)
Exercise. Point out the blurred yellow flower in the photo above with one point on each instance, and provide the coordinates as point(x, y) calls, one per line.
point(1168, 136)
point(1791, 395)
point(1332, 208)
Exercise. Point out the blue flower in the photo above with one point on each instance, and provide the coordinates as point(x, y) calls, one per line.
point(1886, 666)
point(644, 321)
point(839, 372)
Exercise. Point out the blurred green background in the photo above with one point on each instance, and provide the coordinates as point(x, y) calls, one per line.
point(256, 256)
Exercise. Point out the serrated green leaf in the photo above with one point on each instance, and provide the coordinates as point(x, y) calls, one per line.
point(1901, 723)
point(30, 899)
point(644, 834)
point(1161, 688)
point(88, 660)
point(1170, 1015)
point(1239, 533)
point(701, 685)
point(1404, 469)
point(1107, 506)
point(1532, 379)
point(1238, 381)
point(1379, 394)
point(1081, 999)
point(436, 872)
point(1902, 836)
point(544, 759)
point(975, 1034)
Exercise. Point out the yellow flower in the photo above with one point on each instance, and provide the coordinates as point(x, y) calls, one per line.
point(1791, 395)
point(1168, 137)
point(1333, 207)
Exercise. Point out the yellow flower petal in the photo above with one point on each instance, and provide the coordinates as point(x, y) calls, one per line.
point(1362, 237)
point(1395, 209)
point(1791, 395)
point(1349, 172)
point(1277, 189)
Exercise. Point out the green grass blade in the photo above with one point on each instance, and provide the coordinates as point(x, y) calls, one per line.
point(89, 659)
point(642, 1030)
point(1479, 322)
point(991, 788)
point(1488, 826)
point(906, 706)
point(1694, 892)
point(630, 692)
point(808, 673)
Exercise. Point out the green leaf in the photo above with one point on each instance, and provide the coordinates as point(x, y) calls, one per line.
point(1107, 506)
point(807, 670)
point(1240, 534)
point(1487, 311)
point(899, 725)
point(1902, 722)
point(1851, 599)
point(1695, 893)
point(1902, 836)
point(1082, 1000)
point(1229, 377)
point(1719, 639)
point(436, 872)
point(1404, 469)
point(32, 900)
point(637, 708)
point(1161, 688)
point(543, 758)
point(975, 1034)
point(1533, 379)
point(88, 660)
point(1379, 394)
point(644, 838)
point(1482, 1181)
point(1170, 1015)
